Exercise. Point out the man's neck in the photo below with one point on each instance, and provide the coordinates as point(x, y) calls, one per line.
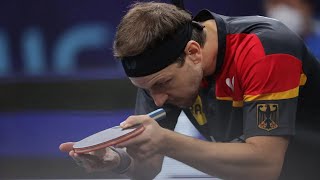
point(210, 49)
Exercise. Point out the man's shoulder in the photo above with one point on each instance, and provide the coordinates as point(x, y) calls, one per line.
point(281, 40)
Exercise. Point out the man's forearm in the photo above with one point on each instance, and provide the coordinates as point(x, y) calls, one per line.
point(145, 169)
point(229, 160)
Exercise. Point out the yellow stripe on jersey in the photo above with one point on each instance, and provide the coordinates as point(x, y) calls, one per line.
point(237, 103)
point(292, 93)
point(225, 98)
point(303, 79)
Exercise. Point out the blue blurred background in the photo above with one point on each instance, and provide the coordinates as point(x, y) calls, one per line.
point(59, 81)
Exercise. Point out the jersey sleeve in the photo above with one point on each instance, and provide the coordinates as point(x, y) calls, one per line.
point(271, 88)
point(145, 104)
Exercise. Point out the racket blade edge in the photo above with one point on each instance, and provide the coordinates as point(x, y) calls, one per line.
point(90, 144)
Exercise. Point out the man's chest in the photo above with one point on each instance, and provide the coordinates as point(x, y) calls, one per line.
point(216, 119)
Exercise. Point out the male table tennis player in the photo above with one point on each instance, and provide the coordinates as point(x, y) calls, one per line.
point(248, 84)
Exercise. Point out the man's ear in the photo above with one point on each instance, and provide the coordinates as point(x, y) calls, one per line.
point(193, 50)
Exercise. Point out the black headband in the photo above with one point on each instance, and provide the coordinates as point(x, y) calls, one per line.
point(156, 58)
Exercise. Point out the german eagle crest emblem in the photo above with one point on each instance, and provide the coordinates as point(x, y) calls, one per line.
point(267, 116)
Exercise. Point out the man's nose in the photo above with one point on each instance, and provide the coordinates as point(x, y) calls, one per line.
point(159, 98)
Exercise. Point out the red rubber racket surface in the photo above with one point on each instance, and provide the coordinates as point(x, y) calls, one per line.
point(106, 138)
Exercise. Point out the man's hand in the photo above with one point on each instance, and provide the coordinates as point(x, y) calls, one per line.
point(149, 143)
point(101, 160)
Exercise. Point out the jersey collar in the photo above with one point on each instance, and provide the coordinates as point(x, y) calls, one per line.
point(204, 15)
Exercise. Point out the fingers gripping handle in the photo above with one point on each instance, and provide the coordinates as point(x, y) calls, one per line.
point(125, 160)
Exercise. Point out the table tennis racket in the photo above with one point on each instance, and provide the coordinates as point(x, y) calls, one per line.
point(114, 135)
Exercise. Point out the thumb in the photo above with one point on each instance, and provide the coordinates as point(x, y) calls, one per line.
point(66, 147)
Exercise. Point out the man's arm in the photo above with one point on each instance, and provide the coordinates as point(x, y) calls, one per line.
point(108, 160)
point(261, 157)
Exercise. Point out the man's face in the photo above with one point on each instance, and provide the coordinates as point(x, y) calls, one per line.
point(176, 84)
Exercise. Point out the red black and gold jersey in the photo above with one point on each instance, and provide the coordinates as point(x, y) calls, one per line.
point(266, 83)
point(265, 79)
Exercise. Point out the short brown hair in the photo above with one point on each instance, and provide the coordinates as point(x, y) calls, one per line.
point(146, 23)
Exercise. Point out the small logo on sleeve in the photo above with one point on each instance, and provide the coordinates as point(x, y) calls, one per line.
point(230, 83)
point(268, 116)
